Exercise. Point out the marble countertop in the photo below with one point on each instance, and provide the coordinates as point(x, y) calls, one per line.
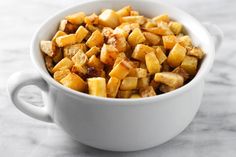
point(211, 134)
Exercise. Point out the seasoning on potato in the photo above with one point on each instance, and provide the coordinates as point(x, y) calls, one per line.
point(121, 54)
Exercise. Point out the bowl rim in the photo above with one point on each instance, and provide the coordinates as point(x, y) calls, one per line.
point(123, 101)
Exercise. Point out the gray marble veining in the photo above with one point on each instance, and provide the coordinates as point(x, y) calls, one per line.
point(211, 134)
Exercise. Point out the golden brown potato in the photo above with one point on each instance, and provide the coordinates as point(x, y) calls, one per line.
point(124, 94)
point(109, 18)
point(152, 38)
point(58, 75)
point(196, 52)
point(113, 87)
point(92, 51)
point(134, 19)
point(136, 37)
point(143, 82)
point(79, 69)
point(125, 11)
point(118, 41)
point(48, 47)
point(185, 41)
point(190, 65)
point(96, 39)
point(108, 54)
point(171, 79)
point(129, 83)
point(76, 18)
point(80, 58)
point(140, 51)
point(161, 18)
point(91, 20)
point(152, 63)
point(71, 50)
point(58, 34)
point(164, 88)
point(162, 29)
point(169, 41)
point(95, 62)
point(97, 86)
point(65, 63)
point(175, 27)
point(179, 70)
point(81, 33)
point(160, 55)
point(138, 72)
point(176, 55)
point(121, 70)
point(147, 91)
point(66, 40)
point(75, 82)
point(121, 56)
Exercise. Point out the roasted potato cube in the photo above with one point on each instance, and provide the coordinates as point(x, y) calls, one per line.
point(176, 55)
point(134, 13)
point(109, 18)
point(80, 58)
point(121, 31)
point(185, 41)
point(125, 11)
point(196, 52)
point(92, 51)
point(175, 27)
point(134, 19)
point(48, 47)
point(124, 94)
point(152, 63)
point(136, 37)
point(75, 82)
point(143, 82)
point(179, 70)
point(190, 65)
point(96, 39)
point(76, 18)
point(161, 18)
point(95, 62)
point(65, 63)
point(91, 20)
point(58, 34)
point(168, 78)
point(135, 96)
point(140, 51)
point(66, 40)
point(164, 88)
point(62, 25)
point(121, 56)
point(91, 28)
point(79, 69)
point(152, 38)
point(121, 70)
point(150, 24)
point(58, 75)
point(129, 83)
point(169, 41)
point(138, 72)
point(49, 63)
point(108, 54)
point(147, 91)
point(162, 29)
point(160, 55)
point(107, 32)
point(97, 86)
point(118, 41)
point(113, 87)
point(70, 51)
point(81, 33)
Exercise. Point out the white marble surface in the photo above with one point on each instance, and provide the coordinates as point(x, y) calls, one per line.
point(211, 134)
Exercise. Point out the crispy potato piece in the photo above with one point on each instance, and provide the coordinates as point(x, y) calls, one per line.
point(143, 82)
point(91, 20)
point(186, 42)
point(152, 38)
point(138, 72)
point(91, 28)
point(140, 51)
point(135, 96)
point(49, 63)
point(121, 70)
point(160, 55)
point(58, 75)
point(79, 69)
point(62, 25)
point(152, 63)
point(71, 50)
point(107, 32)
point(149, 24)
point(134, 19)
point(92, 51)
point(80, 58)
point(66, 40)
point(169, 41)
point(97, 86)
point(75, 82)
point(147, 91)
point(134, 13)
point(164, 88)
point(190, 65)
point(108, 54)
point(109, 18)
point(126, 27)
point(76, 18)
point(65, 63)
point(179, 70)
point(136, 37)
point(196, 52)
point(118, 41)
point(176, 55)
point(161, 18)
point(95, 62)
point(124, 94)
point(162, 29)
point(96, 39)
point(81, 33)
point(125, 11)
point(168, 78)
point(48, 47)
point(58, 34)
point(121, 56)
point(121, 31)
point(113, 87)
point(129, 83)
point(175, 27)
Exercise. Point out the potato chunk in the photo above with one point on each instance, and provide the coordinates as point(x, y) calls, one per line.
point(164, 88)
point(196, 52)
point(97, 86)
point(71, 50)
point(48, 47)
point(138, 72)
point(147, 91)
point(136, 37)
point(179, 70)
point(176, 55)
point(75, 82)
point(171, 79)
point(190, 65)
point(161, 18)
point(109, 18)
point(129, 83)
point(162, 29)
point(125, 11)
point(108, 54)
point(91, 20)
point(65, 63)
point(95, 62)
point(81, 33)
point(143, 82)
point(152, 38)
point(152, 63)
point(124, 94)
point(96, 39)
point(118, 41)
point(185, 41)
point(76, 18)
point(66, 40)
point(92, 51)
point(160, 55)
point(80, 58)
point(113, 87)
point(58, 75)
point(169, 41)
point(121, 70)
point(58, 34)
point(175, 27)
point(140, 51)
point(134, 19)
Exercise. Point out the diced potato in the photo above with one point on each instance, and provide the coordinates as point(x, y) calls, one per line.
point(152, 38)
point(97, 86)
point(138, 72)
point(81, 33)
point(108, 54)
point(185, 41)
point(140, 51)
point(164, 88)
point(149, 24)
point(143, 82)
point(65, 63)
point(79, 69)
point(91, 20)
point(125, 27)
point(134, 19)
point(96, 39)
point(95, 62)
point(58, 75)
point(66, 40)
point(179, 70)
point(152, 63)
point(121, 56)
point(154, 84)
point(190, 65)
point(175, 27)
point(113, 87)
point(121, 70)
point(71, 50)
point(91, 28)
point(62, 25)
point(125, 11)
point(58, 56)
point(169, 41)
point(48, 47)
point(76, 18)
point(147, 91)
point(162, 29)
point(168, 78)
point(136, 37)
point(121, 31)
point(176, 55)
point(134, 13)
point(118, 41)
point(160, 55)
point(107, 32)
point(124, 94)
point(196, 52)
point(161, 18)
point(109, 18)
point(80, 58)
point(129, 83)
point(49, 63)
point(75, 82)
point(92, 51)
point(58, 34)
point(135, 96)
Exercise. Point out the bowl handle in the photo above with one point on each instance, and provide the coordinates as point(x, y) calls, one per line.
point(21, 79)
point(216, 33)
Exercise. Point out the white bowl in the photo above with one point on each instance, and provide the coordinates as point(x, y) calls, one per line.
point(116, 124)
